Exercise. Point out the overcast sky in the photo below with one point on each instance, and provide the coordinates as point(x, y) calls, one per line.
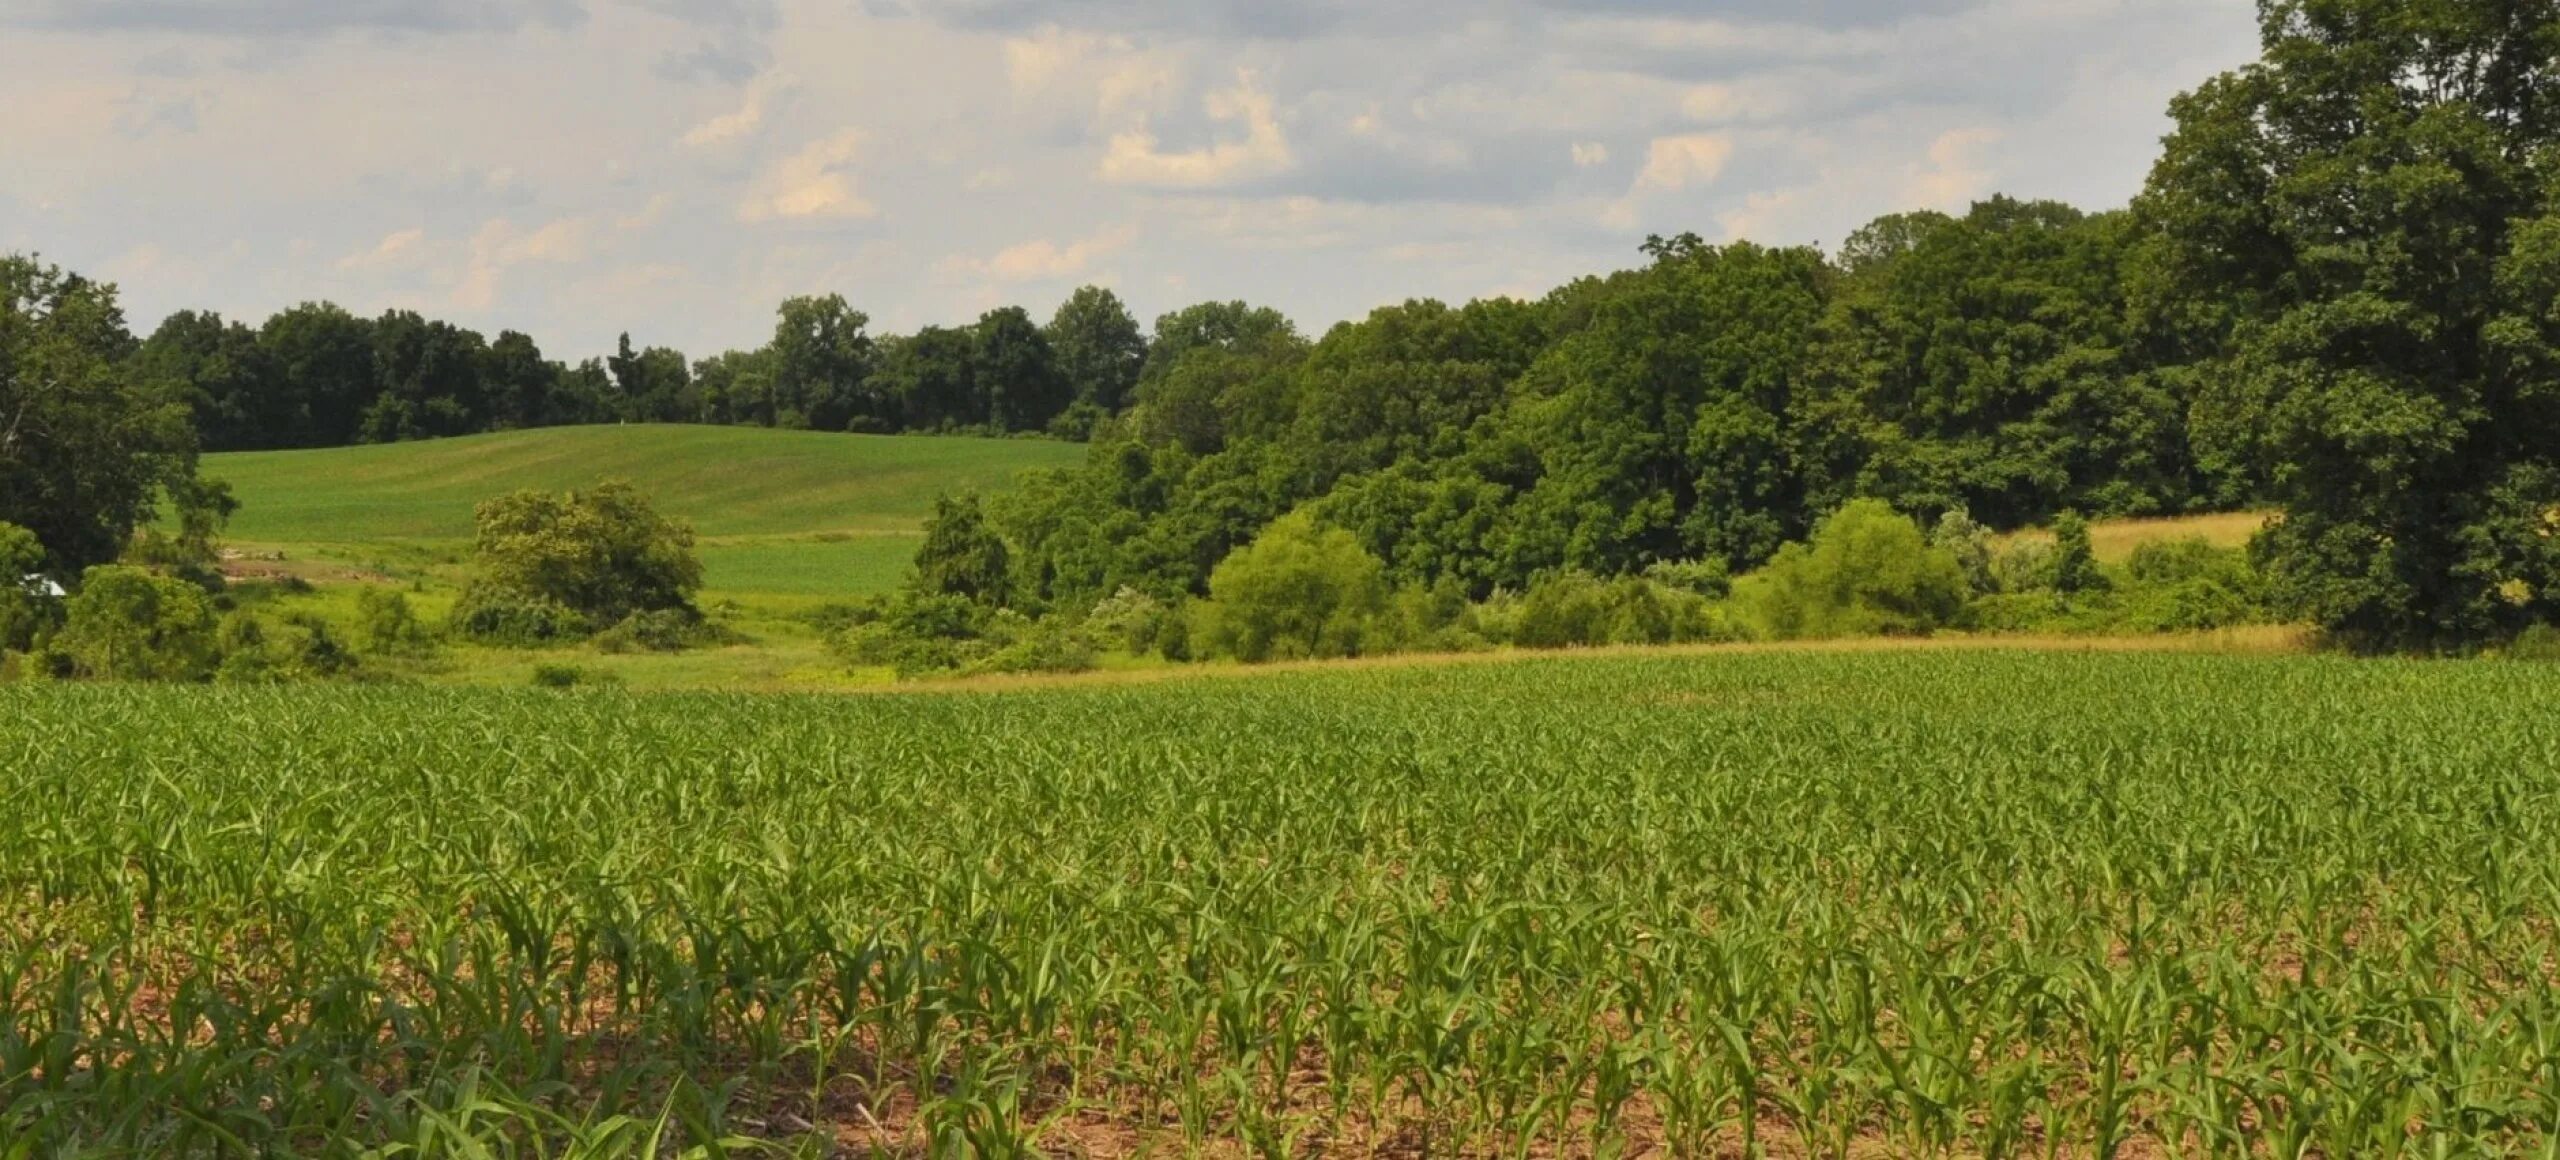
point(576, 168)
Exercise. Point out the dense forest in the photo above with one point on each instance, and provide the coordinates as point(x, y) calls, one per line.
point(2339, 294)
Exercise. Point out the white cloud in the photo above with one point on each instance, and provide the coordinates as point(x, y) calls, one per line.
point(1137, 158)
point(1587, 154)
point(1684, 162)
point(1954, 175)
point(812, 183)
point(1042, 260)
point(743, 120)
point(501, 246)
point(396, 249)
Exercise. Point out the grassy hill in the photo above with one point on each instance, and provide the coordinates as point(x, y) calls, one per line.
point(781, 512)
point(730, 481)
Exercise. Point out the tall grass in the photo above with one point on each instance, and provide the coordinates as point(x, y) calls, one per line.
point(1985, 904)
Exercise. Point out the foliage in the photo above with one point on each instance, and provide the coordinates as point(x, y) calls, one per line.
point(2356, 236)
point(962, 555)
point(552, 675)
point(88, 447)
point(1867, 571)
point(2540, 642)
point(304, 648)
point(22, 611)
point(127, 623)
point(1959, 535)
point(663, 630)
point(1301, 589)
point(1573, 609)
point(2075, 562)
point(386, 625)
point(552, 565)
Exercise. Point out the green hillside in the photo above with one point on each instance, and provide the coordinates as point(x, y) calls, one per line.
point(730, 481)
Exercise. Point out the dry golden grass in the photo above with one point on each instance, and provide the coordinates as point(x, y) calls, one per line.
point(2115, 540)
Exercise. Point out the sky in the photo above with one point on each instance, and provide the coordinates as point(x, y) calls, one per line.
point(577, 169)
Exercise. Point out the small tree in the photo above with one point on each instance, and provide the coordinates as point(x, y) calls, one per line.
point(1300, 589)
point(126, 623)
point(552, 565)
point(962, 555)
point(1868, 571)
point(20, 556)
point(385, 624)
point(2075, 563)
point(1959, 535)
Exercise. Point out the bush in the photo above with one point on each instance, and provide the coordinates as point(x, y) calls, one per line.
point(2075, 562)
point(1131, 620)
point(2173, 561)
point(128, 624)
point(23, 613)
point(665, 630)
point(497, 615)
point(303, 649)
point(1708, 578)
point(962, 555)
point(1969, 542)
point(549, 567)
point(2540, 642)
point(2023, 566)
point(385, 624)
point(558, 676)
point(1868, 571)
point(916, 633)
point(1300, 589)
point(1046, 647)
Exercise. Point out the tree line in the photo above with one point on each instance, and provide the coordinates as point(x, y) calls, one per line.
point(316, 375)
point(2338, 294)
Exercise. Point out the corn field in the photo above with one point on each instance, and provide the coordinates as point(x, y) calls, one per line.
point(1814, 904)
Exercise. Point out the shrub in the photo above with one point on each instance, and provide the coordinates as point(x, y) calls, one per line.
point(127, 623)
point(385, 624)
point(1708, 578)
point(23, 613)
point(303, 649)
point(498, 615)
point(1047, 647)
point(1867, 571)
point(664, 630)
point(553, 566)
point(2023, 566)
point(1969, 542)
point(560, 676)
point(2075, 562)
point(2172, 561)
point(1129, 619)
point(2540, 642)
point(1300, 589)
point(962, 555)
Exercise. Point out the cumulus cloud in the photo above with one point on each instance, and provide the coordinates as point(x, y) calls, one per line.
point(813, 183)
point(1136, 157)
point(1042, 260)
point(1683, 162)
point(396, 249)
point(744, 119)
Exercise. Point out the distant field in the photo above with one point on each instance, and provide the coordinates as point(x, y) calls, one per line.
point(730, 481)
point(1918, 902)
point(791, 512)
point(2114, 540)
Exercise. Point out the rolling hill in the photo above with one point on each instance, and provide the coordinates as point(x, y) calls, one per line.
point(786, 512)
